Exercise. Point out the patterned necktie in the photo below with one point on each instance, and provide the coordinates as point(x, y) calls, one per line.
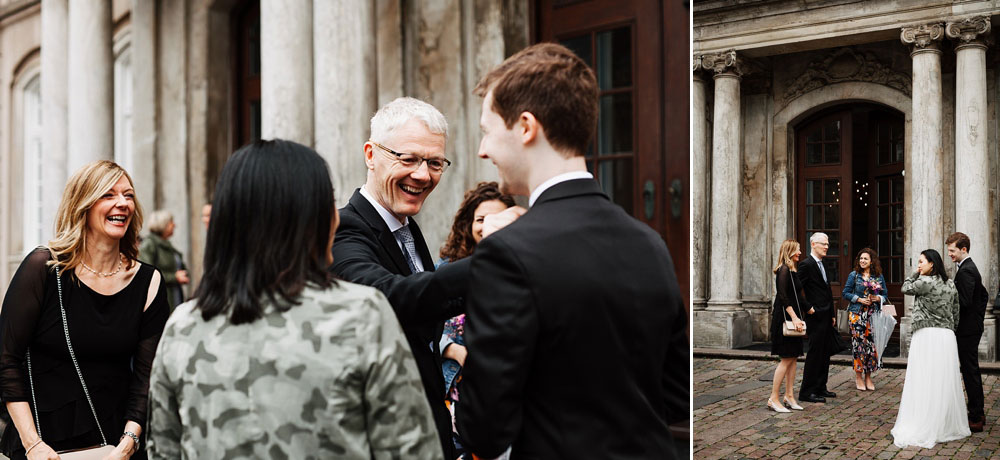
point(822, 269)
point(410, 246)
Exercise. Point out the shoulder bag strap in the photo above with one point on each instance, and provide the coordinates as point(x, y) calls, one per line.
point(795, 295)
point(76, 365)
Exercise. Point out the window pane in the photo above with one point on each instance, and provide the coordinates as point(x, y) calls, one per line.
point(883, 243)
point(581, 46)
point(615, 177)
point(897, 189)
point(883, 219)
point(897, 243)
point(812, 217)
point(883, 192)
point(831, 190)
point(831, 217)
point(813, 191)
point(615, 130)
point(897, 270)
point(833, 152)
point(832, 265)
point(814, 154)
point(831, 132)
point(614, 58)
point(834, 243)
point(897, 216)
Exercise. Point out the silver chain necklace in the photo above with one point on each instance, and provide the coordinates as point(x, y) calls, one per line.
point(91, 270)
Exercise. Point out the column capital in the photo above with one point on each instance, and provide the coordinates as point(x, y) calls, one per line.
point(974, 31)
point(923, 37)
point(724, 63)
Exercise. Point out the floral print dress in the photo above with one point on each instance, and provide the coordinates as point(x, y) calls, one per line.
point(866, 357)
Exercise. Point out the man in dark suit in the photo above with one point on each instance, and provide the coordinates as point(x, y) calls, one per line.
point(576, 332)
point(379, 244)
point(972, 299)
point(820, 320)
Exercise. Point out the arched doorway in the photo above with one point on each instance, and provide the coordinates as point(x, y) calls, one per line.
point(849, 185)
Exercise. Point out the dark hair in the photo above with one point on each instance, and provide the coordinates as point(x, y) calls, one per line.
point(460, 242)
point(555, 86)
point(960, 239)
point(271, 220)
point(937, 264)
point(874, 268)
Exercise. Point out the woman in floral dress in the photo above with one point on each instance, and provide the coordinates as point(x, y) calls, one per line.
point(865, 290)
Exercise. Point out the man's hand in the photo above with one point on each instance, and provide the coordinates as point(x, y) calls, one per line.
point(182, 276)
point(811, 311)
point(494, 222)
point(834, 321)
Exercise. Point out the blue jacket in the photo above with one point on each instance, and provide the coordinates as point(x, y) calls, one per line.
point(854, 289)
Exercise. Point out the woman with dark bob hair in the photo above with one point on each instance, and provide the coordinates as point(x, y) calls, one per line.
point(932, 406)
point(274, 358)
point(466, 232)
point(81, 320)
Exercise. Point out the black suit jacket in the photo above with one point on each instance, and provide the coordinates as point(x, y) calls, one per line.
point(817, 291)
point(366, 252)
point(972, 299)
point(576, 335)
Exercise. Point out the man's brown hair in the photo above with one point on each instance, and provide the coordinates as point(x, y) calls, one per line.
point(552, 83)
point(960, 239)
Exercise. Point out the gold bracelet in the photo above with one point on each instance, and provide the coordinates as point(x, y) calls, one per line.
point(39, 441)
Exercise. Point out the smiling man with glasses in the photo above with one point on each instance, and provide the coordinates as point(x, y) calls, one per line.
point(379, 244)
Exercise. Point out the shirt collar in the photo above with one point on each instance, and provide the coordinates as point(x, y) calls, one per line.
point(817, 259)
point(555, 180)
point(390, 220)
point(959, 264)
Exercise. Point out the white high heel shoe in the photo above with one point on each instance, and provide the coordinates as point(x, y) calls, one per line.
point(793, 404)
point(777, 407)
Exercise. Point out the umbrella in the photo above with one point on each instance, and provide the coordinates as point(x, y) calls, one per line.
point(882, 325)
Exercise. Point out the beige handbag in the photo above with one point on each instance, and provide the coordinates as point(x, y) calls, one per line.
point(97, 452)
point(788, 326)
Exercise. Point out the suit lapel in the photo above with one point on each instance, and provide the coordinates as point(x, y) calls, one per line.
point(385, 238)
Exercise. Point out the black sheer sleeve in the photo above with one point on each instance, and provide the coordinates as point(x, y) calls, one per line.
point(150, 327)
point(22, 305)
point(783, 286)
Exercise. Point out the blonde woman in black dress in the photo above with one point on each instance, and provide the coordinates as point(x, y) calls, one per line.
point(787, 306)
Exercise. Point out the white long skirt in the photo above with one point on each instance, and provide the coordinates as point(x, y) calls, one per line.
point(932, 408)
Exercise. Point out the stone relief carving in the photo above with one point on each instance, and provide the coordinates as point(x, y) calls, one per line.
point(969, 30)
point(846, 64)
point(923, 36)
point(973, 117)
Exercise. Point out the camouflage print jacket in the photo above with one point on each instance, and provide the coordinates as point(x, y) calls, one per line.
point(332, 377)
point(935, 303)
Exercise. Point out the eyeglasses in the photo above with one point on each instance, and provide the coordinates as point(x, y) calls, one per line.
point(412, 161)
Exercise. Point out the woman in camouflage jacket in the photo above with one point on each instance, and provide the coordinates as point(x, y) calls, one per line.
point(274, 358)
point(932, 407)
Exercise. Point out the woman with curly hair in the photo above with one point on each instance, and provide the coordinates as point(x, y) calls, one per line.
point(865, 290)
point(466, 232)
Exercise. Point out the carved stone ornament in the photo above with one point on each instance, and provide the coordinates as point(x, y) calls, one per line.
point(843, 65)
point(969, 30)
point(724, 62)
point(923, 36)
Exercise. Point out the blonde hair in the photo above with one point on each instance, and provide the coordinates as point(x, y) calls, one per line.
point(159, 220)
point(788, 248)
point(83, 189)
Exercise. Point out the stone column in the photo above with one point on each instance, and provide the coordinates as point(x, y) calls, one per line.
point(286, 80)
point(724, 323)
point(90, 118)
point(344, 33)
point(699, 197)
point(143, 18)
point(54, 86)
point(924, 161)
point(972, 166)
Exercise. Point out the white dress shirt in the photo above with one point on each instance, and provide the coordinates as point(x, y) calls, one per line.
point(393, 223)
point(555, 180)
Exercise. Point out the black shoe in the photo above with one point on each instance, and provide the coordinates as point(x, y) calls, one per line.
point(813, 398)
point(828, 394)
point(976, 426)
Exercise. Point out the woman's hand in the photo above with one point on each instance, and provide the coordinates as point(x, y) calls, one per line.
point(864, 301)
point(799, 325)
point(42, 452)
point(456, 352)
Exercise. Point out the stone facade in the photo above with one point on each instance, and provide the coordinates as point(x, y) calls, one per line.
point(325, 68)
point(932, 63)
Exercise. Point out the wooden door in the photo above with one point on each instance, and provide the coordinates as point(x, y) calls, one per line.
point(824, 161)
point(629, 43)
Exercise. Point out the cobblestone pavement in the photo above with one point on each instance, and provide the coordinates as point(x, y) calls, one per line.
point(731, 420)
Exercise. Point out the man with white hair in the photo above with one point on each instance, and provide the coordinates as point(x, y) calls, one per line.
point(379, 244)
point(820, 319)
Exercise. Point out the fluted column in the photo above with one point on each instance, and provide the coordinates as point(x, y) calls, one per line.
point(724, 323)
point(345, 86)
point(90, 110)
point(972, 167)
point(286, 81)
point(925, 160)
point(724, 279)
point(699, 197)
point(54, 86)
